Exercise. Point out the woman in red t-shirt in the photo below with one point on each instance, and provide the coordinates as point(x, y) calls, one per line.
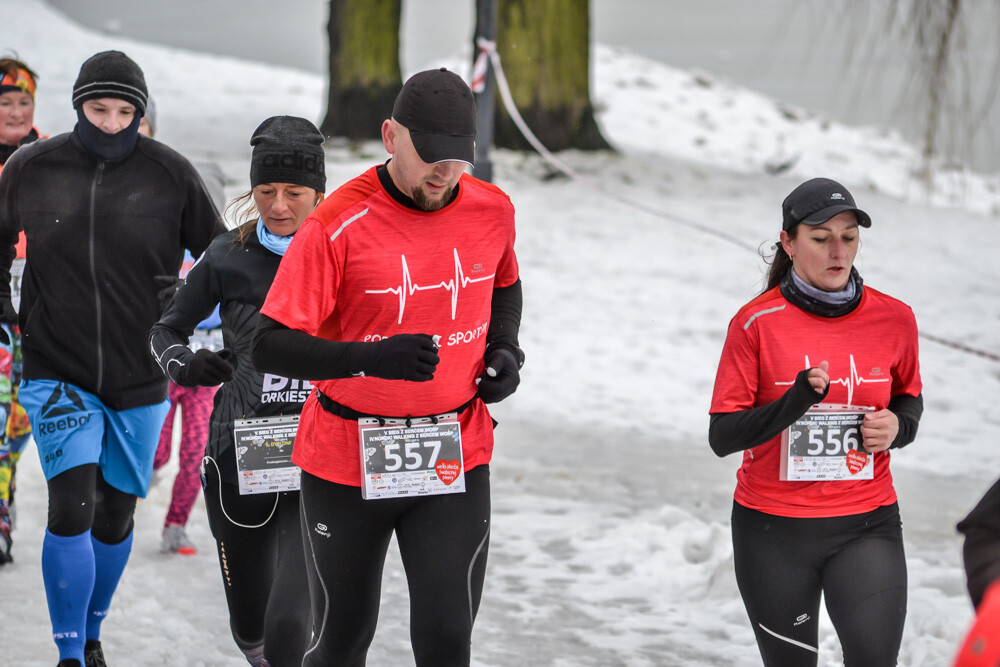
point(819, 379)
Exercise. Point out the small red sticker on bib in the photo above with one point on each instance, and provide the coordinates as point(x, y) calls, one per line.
point(447, 471)
point(856, 461)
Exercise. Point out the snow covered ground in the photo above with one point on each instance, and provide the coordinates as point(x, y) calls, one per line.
point(611, 515)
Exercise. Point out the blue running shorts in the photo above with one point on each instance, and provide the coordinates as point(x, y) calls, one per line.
point(72, 427)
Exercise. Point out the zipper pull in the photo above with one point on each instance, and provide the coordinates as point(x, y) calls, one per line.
point(100, 171)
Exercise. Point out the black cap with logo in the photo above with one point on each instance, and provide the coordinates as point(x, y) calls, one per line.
point(438, 109)
point(816, 201)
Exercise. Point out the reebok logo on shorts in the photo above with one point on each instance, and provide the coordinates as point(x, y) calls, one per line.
point(52, 407)
point(59, 410)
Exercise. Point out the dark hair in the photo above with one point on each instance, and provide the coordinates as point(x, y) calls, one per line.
point(11, 65)
point(243, 210)
point(780, 263)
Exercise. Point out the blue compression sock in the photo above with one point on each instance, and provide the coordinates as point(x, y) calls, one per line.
point(68, 573)
point(109, 563)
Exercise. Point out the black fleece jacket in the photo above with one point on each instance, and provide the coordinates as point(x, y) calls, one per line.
point(97, 233)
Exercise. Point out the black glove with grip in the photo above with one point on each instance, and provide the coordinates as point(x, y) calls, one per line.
point(208, 369)
point(501, 377)
point(8, 316)
point(401, 357)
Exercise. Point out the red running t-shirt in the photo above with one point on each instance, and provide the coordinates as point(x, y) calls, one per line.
point(872, 353)
point(364, 267)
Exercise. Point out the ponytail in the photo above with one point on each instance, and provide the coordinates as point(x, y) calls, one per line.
point(781, 263)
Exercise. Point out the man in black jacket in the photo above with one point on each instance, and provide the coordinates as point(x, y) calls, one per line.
point(104, 211)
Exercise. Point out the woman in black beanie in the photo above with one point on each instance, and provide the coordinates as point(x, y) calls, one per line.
point(103, 212)
point(251, 487)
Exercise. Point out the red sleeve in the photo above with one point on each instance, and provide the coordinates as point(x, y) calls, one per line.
point(507, 270)
point(304, 292)
point(738, 377)
point(906, 373)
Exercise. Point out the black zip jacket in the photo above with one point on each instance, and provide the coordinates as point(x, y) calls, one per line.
point(97, 232)
point(237, 276)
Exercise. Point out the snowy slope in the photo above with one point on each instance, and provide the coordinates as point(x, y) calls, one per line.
point(610, 540)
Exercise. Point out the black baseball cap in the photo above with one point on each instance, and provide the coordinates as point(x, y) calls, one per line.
point(816, 201)
point(438, 109)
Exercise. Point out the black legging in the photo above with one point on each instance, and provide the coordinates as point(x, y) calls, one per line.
point(259, 539)
point(443, 541)
point(80, 500)
point(783, 565)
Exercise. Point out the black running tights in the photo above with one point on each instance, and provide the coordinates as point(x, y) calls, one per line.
point(259, 540)
point(784, 565)
point(443, 542)
point(80, 500)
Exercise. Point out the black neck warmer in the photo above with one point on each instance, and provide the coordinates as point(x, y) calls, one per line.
point(102, 144)
point(790, 291)
point(386, 180)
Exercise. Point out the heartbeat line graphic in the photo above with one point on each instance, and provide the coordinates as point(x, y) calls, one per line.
point(409, 288)
point(851, 381)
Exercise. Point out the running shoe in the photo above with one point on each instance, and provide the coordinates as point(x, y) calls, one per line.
point(93, 655)
point(175, 541)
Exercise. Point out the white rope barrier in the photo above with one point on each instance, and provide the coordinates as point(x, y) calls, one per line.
point(488, 49)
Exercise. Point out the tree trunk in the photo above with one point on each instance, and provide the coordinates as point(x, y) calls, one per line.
point(544, 47)
point(364, 72)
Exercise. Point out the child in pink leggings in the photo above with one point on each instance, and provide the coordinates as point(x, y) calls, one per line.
point(196, 407)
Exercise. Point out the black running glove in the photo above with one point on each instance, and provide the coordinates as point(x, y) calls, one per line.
point(501, 377)
point(401, 357)
point(7, 316)
point(208, 369)
point(168, 285)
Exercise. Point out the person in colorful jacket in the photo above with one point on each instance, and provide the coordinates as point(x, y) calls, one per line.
point(815, 511)
point(103, 211)
point(257, 527)
point(17, 114)
point(400, 300)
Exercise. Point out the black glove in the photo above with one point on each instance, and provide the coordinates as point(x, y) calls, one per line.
point(208, 369)
point(401, 357)
point(501, 377)
point(8, 316)
point(168, 285)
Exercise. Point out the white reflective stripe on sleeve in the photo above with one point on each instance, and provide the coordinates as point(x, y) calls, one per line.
point(347, 222)
point(763, 312)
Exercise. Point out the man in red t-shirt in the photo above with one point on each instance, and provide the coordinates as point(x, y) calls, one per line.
point(399, 299)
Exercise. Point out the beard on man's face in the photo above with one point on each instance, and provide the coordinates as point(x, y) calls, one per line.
point(425, 203)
